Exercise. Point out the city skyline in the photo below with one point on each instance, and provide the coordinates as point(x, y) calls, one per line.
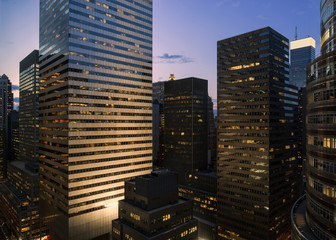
point(184, 33)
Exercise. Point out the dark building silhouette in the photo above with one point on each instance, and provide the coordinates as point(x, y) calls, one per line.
point(186, 126)
point(212, 135)
point(153, 210)
point(6, 106)
point(158, 120)
point(257, 138)
point(314, 214)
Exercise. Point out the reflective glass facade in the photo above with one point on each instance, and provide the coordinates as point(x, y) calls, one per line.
point(28, 120)
point(302, 52)
point(95, 109)
point(257, 141)
point(320, 201)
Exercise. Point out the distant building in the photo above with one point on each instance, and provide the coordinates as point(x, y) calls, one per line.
point(302, 52)
point(314, 214)
point(14, 142)
point(212, 135)
point(186, 126)
point(6, 106)
point(257, 138)
point(152, 210)
point(158, 124)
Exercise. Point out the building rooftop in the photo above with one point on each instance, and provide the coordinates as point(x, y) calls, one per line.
point(304, 42)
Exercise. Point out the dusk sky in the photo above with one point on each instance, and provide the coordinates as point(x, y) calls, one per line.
point(185, 32)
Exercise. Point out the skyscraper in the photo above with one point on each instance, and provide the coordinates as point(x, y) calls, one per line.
point(158, 120)
point(314, 215)
point(6, 106)
point(95, 110)
point(19, 196)
point(257, 142)
point(29, 115)
point(186, 126)
point(302, 52)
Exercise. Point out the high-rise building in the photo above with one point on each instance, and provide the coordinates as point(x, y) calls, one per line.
point(153, 210)
point(158, 121)
point(257, 142)
point(186, 126)
point(302, 52)
point(6, 106)
point(212, 135)
point(95, 108)
point(19, 196)
point(314, 214)
point(29, 115)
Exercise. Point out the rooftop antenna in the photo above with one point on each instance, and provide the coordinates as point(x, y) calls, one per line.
point(295, 32)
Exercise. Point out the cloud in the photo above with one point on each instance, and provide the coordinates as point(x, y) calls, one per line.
point(174, 58)
point(15, 87)
point(16, 100)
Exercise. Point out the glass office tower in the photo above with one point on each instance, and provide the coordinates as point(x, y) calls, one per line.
point(95, 110)
point(302, 52)
point(314, 215)
point(257, 142)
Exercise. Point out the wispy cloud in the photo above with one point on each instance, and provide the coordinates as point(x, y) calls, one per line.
point(174, 58)
point(15, 87)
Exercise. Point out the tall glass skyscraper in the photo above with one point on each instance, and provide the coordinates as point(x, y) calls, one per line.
point(257, 141)
point(314, 215)
point(19, 196)
point(95, 110)
point(302, 52)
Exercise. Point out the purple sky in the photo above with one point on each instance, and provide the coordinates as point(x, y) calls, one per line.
point(185, 32)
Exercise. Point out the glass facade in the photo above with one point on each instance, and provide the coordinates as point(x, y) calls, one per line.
point(257, 137)
point(320, 201)
point(95, 109)
point(28, 120)
point(302, 52)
